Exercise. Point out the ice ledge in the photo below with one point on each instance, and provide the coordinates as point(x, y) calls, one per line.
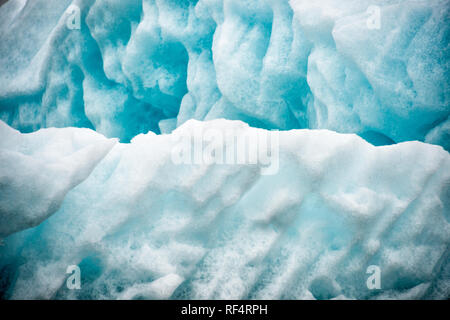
point(38, 169)
point(335, 206)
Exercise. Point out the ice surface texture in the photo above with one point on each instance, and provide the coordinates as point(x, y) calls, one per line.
point(37, 170)
point(141, 226)
point(139, 65)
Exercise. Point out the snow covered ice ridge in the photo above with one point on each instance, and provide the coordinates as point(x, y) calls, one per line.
point(142, 226)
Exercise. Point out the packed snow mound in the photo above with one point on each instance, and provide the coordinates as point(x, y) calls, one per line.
point(148, 223)
point(379, 69)
point(38, 169)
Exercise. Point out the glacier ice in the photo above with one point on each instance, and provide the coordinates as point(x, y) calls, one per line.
point(140, 65)
point(38, 169)
point(358, 89)
point(140, 226)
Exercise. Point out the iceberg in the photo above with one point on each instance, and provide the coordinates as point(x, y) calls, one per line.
point(126, 67)
point(39, 169)
point(224, 149)
point(142, 225)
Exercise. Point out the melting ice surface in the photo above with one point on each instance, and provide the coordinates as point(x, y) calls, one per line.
point(140, 226)
point(140, 65)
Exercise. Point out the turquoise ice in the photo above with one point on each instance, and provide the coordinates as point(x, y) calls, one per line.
point(135, 66)
point(95, 95)
point(141, 226)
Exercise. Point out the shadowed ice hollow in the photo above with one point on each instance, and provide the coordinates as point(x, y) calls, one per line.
point(131, 66)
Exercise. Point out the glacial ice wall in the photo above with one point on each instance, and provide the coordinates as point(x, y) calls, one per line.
point(140, 65)
point(361, 72)
point(37, 171)
point(144, 226)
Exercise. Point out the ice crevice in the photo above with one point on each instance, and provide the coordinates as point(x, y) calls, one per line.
point(274, 64)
